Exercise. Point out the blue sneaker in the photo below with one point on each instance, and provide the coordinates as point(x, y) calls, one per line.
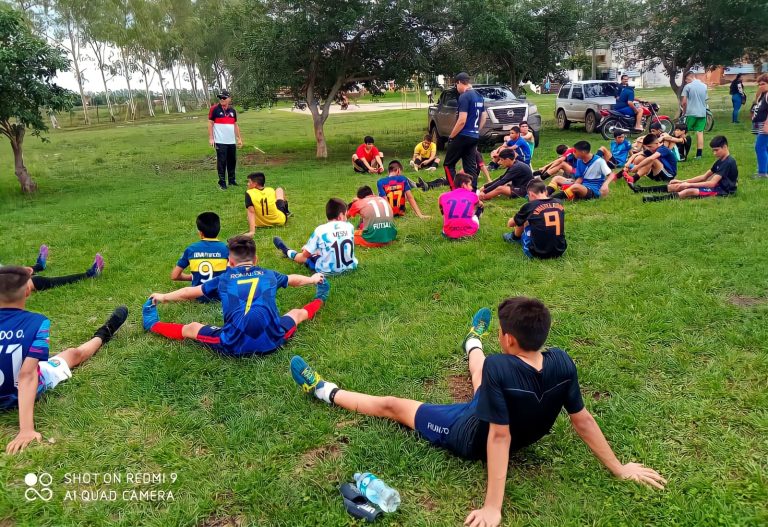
point(480, 324)
point(323, 289)
point(149, 315)
point(509, 237)
point(280, 244)
point(304, 375)
point(42, 257)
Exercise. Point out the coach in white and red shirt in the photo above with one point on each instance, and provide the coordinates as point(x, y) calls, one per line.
point(224, 135)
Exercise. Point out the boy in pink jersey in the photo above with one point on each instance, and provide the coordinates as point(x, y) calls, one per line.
point(461, 209)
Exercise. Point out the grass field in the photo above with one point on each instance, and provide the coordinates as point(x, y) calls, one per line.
point(662, 306)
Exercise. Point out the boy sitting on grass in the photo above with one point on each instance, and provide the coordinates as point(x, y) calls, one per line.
point(539, 224)
point(207, 258)
point(252, 324)
point(592, 176)
point(720, 180)
point(563, 165)
point(377, 225)
point(26, 372)
point(267, 206)
point(657, 162)
point(518, 396)
point(461, 209)
point(512, 183)
point(331, 248)
point(620, 149)
point(425, 155)
point(396, 188)
point(367, 159)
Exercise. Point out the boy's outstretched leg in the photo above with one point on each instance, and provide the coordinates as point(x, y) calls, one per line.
point(402, 411)
point(473, 347)
point(42, 259)
point(58, 368)
point(41, 283)
point(309, 311)
point(298, 257)
point(169, 330)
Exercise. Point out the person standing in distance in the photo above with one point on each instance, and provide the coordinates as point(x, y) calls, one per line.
point(465, 135)
point(224, 136)
point(694, 103)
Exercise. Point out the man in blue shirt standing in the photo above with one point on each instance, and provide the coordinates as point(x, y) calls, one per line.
point(462, 142)
point(626, 104)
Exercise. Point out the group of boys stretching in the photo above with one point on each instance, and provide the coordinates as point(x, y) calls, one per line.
point(518, 393)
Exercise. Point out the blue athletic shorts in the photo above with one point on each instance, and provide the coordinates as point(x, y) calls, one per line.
point(526, 240)
point(210, 337)
point(629, 112)
point(310, 263)
point(434, 422)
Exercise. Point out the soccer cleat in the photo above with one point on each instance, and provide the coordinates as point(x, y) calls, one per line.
point(304, 375)
point(480, 324)
point(509, 237)
point(222, 186)
point(631, 183)
point(97, 267)
point(42, 257)
point(322, 290)
point(422, 185)
point(280, 244)
point(233, 184)
point(149, 315)
point(431, 169)
point(113, 323)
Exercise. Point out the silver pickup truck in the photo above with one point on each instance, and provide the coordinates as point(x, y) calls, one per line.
point(503, 107)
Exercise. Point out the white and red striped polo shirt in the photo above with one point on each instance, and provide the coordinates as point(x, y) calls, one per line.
point(223, 124)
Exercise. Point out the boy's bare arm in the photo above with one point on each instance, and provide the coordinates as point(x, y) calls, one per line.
point(178, 275)
point(27, 392)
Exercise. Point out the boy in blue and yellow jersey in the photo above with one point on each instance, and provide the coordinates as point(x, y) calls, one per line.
point(252, 323)
point(26, 370)
point(267, 206)
point(207, 258)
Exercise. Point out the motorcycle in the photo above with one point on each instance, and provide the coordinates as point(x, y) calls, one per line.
point(300, 105)
point(612, 120)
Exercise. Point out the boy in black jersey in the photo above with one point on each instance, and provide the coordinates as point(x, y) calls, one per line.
point(720, 180)
point(514, 180)
point(539, 225)
point(518, 395)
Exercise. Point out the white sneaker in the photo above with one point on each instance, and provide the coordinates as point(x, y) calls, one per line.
point(431, 169)
point(413, 164)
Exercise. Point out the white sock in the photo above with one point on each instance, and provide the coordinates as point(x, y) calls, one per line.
point(472, 343)
point(323, 391)
point(291, 254)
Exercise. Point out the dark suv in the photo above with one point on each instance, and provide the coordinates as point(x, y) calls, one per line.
point(504, 110)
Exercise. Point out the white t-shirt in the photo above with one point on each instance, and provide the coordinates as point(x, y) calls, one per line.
point(334, 243)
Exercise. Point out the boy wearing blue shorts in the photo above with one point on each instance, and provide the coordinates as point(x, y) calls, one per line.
point(539, 224)
point(252, 324)
point(26, 371)
point(590, 180)
point(518, 395)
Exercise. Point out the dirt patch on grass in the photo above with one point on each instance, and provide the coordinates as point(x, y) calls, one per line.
point(427, 502)
point(311, 458)
point(256, 158)
point(461, 388)
point(345, 423)
point(223, 521)
point(746, 301)
point(599, 396)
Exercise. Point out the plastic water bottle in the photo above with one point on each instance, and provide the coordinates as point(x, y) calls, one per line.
point(378, 492)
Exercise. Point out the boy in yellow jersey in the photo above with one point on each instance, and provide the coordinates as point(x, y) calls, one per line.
point(267, 206)
point(425, 155)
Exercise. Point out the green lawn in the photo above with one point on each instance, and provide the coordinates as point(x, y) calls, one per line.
point(662, 306)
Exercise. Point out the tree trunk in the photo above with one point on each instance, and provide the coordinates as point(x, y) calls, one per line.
point(131, 110)
point(148, 94)
point(206, 89)
point(97, 50)
point(322, 146)
point(17, 141)
point(175, 90)
point(74, 50)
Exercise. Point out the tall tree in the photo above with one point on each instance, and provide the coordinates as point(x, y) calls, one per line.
point(28, 65)
point(317, 47)
point(67, 31)
point(513, 39)
point(686, 33)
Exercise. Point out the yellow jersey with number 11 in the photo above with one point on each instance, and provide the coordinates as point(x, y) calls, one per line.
point(264, 203)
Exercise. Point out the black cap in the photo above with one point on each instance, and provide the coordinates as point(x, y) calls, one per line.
point(224, 94)
point(507, 154)
point(618, 131)
point(461, 77)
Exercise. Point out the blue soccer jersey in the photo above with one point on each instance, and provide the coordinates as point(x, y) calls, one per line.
point(206, 259)
point(668, 160)
point(251, 320)
point(620, 152)
point(523, 150)
point(22, 334)
point(334, 245)
point(473, 103)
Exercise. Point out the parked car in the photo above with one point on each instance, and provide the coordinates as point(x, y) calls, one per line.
point(503, 107)
point(581, 102)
